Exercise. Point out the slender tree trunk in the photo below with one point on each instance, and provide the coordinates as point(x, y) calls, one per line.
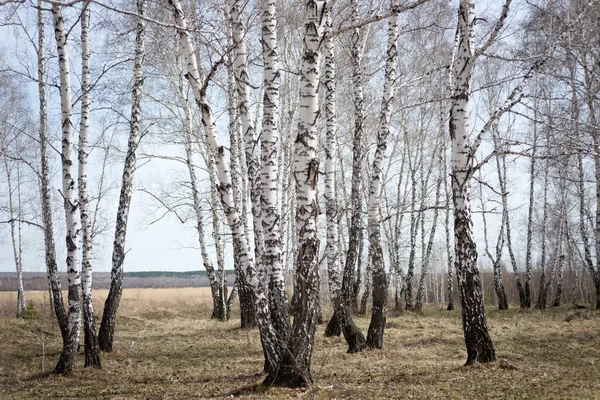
point(239, 183)
point(561, 269)
point(477, 339)
point(272, 256)
point(532, 170)
point(497, 258)
point(380, 284)
point(502, 177)
point(92, 349)
point(349, 278)
point(66, 363)
point(542, 295)
point(49, 246)
point(240, 64)
point(271, 344)
point(111, 305)
point(414, 227)
point(341, 319)
point(14, 225)
point(449, 256)
point(421, 291)
point(218, 309)
point(294, 368)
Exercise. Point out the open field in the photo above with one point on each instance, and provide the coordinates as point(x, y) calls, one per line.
point(166, 347)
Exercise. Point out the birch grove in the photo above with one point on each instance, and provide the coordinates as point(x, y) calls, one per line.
point(331, 156)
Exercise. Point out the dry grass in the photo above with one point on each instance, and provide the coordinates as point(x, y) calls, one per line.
point(167, 348)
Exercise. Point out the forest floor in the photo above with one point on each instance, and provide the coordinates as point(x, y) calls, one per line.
point(166, 347)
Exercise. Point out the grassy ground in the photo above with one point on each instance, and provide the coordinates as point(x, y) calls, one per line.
point(167, 348)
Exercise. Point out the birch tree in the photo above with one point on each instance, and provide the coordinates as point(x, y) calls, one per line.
point(44, 184)
point(294, 368)
point(270, 341)
point(380, 284)
point(342, 321)
point(66, 363)
point(272, 253)
point(92, 350)
point(111, 305)
point(477, 339)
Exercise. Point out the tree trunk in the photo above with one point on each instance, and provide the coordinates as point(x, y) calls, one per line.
point(294, 368)
point(542, 295)
point(239, 184)
point(240, 64)
point(49, 246)
point(111, 305)
point(477, 339)
point(271, 344)
point(14, 221)
point(450, 280)
point(92, 349)
point(528, 291)
point(272, 256)
point(427, 255)
point(349, 293)
point(66, 363)
point(341, 319)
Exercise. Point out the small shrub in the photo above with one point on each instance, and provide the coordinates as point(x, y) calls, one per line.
point(29, 313)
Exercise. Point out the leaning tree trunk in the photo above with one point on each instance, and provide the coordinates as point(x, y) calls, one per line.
point(294, 368)
point(92, 349)
point(218, 311)
point(271, 345)
point(49, 246)
point(477, 339)
point(380, 284)
point(111, 305)
point(272, 255)
point(66, 363)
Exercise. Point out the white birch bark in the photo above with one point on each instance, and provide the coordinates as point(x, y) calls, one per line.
point(92, 350)
point(239, 183)
point(109, 316)
point(532, 172)
point(218, 309)
point(46, 206)
point(15, 224)
point(270, 342)
point(66, 363)
point(357, 50)
point(478, 342)
point(272, 252)
point(379, 310)
point(294, 368)
point(342, 320)
point(240, 64)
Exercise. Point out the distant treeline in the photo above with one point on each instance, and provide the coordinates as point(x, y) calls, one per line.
point(101, 280)
point(169, 274)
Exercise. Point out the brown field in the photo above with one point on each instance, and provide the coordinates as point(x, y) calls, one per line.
point(167, 348)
